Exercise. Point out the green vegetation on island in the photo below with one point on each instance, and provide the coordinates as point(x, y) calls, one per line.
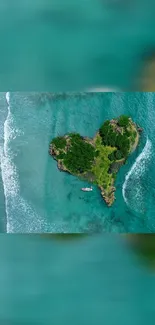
point(99, 159)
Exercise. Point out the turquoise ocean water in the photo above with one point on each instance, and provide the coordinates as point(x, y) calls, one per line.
point(39, 198)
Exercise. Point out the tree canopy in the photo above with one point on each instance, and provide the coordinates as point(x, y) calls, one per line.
point(123, 120)
point(80, 156)
point(59, 142)
point(117, 135)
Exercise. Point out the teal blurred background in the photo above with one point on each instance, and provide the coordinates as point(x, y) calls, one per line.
point(72, 45)
point(89, 280)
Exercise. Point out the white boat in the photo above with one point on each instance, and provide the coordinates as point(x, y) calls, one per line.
point(87, 189)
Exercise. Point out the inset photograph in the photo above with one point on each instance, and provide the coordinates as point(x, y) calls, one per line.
point(77, 162)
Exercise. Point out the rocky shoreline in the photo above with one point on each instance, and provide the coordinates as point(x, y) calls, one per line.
point(110, 198)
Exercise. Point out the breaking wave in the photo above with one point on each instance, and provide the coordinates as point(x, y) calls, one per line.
point(133, 189)
point(27, 220)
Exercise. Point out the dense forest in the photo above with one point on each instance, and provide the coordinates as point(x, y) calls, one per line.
point(118, 135)
point(79, 157)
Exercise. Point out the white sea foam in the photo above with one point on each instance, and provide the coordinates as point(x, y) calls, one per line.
point(8, 98)
point(8, 169)
point(133, 179)
point(21, 217)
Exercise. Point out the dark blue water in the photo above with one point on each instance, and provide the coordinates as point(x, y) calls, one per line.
point(41, 199)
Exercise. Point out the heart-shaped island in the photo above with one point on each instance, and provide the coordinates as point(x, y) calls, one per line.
point(98, 160)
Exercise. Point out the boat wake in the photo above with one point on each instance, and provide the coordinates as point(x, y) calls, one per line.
point(133, 189)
